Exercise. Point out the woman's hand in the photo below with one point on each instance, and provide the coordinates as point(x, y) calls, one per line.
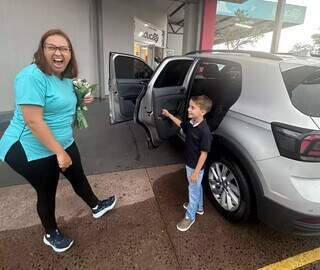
point(64, 160)
point(88, 98)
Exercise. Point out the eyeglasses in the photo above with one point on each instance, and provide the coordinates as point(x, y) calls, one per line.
point(52, 48)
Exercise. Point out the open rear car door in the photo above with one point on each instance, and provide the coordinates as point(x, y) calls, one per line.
point(167, 89)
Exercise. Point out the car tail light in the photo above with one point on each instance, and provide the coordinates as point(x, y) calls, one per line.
point(297, 143)
point(310, 147)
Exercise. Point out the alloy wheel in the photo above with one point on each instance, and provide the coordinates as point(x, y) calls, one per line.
point(224, 186)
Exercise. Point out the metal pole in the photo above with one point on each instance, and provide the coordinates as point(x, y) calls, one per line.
point(100, 49)
point(277, 26)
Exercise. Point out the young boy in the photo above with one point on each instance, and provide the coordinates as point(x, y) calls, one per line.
point(198, 144)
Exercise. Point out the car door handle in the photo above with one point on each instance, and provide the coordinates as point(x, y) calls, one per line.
point(182, 90)
point(145, 82)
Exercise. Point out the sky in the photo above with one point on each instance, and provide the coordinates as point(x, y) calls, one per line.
point(295, 34)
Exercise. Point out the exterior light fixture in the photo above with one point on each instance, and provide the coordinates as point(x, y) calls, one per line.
point(243, 25)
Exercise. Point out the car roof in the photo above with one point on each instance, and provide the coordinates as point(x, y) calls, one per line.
point(257, 56)
point(235, 53)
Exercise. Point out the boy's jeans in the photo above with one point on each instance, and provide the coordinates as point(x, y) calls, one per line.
point(195, 194)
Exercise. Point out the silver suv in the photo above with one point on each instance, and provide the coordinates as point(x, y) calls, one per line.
point(265, 159)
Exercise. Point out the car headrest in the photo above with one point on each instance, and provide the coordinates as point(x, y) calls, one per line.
point(211, 71)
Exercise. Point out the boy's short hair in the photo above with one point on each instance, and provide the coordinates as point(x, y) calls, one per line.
point(204, 102)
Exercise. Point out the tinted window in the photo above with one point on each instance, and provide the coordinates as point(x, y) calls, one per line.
point(303, 85)
point(208, 70)
point(131, 68)
point(173, 73)
point(221, 81)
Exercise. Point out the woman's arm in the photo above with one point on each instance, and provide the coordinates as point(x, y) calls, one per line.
point(33, 117)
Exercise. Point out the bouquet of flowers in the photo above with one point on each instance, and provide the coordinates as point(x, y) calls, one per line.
point(82, 88)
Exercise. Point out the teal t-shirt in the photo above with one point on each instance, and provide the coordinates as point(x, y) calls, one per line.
point(56, 96)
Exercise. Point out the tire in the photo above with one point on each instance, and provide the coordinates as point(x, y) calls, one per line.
point(231, 194)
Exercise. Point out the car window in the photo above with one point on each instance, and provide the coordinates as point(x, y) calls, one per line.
point(173, 73)
point(204, 66)
point(233, 72)
point(131, 68)
point(303, 86)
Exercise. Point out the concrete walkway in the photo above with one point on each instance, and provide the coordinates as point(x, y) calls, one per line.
point(133, 235)
point(140, 233)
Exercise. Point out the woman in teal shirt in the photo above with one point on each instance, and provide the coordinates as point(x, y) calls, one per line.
point(39, 144)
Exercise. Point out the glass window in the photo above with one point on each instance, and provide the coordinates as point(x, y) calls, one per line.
point(303, 85)
point(249, 25)
point(245, 25)
point(300, 24)
point(173, 73)
point(131, 68)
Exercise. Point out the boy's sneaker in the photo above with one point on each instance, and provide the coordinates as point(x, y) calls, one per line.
point(185, 224)
point(57, 241)
point(185, 206)
point(104, 206)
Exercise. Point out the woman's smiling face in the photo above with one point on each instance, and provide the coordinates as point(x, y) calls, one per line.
point(57, 53)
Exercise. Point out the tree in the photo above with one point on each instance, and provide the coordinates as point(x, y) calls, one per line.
point(301, 47)
point(235, 38)
point(316, 43)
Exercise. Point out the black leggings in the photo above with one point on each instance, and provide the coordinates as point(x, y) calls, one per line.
point(43, 175)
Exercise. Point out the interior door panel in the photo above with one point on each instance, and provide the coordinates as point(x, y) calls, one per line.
point(128, 91)
point(172, 99)
point(166, 90)
point(128, 75)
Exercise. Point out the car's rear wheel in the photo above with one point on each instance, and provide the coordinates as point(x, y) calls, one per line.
point(228, 189)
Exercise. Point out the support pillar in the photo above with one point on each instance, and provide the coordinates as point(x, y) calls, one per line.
point(277, 26)
point(99, 47)
point(191, 27)
point(208, 24)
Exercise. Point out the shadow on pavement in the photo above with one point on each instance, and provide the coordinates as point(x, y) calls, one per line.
point(144, 236)
point(214, 243)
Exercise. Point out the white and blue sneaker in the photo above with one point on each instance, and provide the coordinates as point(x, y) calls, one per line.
point(58, 241)
point(199, 212)
point(104, 206)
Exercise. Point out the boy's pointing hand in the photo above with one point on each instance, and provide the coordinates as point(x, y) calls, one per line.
point(165, 112)
point(194, 177)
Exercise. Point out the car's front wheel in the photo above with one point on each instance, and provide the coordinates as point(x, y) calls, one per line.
point(228, 189)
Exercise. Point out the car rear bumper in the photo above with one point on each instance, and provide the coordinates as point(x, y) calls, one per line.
point(287, 220)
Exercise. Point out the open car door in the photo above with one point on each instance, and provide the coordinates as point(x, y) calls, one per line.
point(128, 75)
point(168, 89)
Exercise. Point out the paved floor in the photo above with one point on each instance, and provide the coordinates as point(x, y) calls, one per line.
point(108, 148)
point(140, 233)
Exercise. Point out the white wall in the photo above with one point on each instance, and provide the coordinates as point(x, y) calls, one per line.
point(118, 25)
point(22, 24)
point(175, 42)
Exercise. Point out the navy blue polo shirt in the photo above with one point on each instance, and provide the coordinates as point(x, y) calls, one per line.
point(198, 138)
